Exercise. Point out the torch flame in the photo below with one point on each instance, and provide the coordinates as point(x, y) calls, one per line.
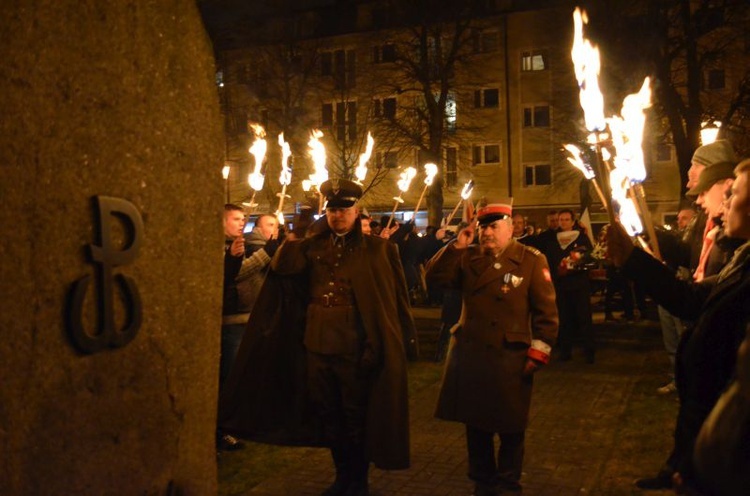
point(629, 217)
point(361, 171)
point(627, 133)
point(577, 160)
point(430, 171)
point(468, 188)
point(318, 154)
point(586, 61)
point(405, 179)
point(286, 172)
point(258, 151)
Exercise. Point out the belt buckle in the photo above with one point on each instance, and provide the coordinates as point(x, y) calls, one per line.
point(327, 300)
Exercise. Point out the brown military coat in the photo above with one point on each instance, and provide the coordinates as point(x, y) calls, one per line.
point(508, 302)
point(266, 397)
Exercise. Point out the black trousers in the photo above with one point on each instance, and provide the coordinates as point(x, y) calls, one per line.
point(488, 471)
point(574, 309)
point(339, 387)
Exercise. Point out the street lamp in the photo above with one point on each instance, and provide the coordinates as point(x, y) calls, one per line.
point(709, 132)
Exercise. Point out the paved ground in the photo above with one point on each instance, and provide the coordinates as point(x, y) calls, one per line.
point(593, 428)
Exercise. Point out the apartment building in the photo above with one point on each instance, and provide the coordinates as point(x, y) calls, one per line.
point(508, 105)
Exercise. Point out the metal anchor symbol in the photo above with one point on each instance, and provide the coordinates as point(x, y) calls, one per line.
point(107, 258)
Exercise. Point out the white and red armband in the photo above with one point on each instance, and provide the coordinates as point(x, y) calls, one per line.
point(539, 351)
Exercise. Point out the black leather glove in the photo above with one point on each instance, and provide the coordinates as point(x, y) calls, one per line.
point(271, 246)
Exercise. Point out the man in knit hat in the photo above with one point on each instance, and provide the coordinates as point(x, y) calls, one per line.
point(505, 333)
point(710, 175)
point(715, 166)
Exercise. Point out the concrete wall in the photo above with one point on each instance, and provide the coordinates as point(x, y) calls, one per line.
point(115, 99)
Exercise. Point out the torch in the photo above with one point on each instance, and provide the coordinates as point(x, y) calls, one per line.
point(465, 194)
point(258, 150)
point(403, 186)
point(285, 177)
point(317, 152)
point(361, 171)
point(623, 172)
point(430, 170)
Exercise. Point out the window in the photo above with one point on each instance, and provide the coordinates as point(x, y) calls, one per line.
point(715, 79)
point(384, 108)
point(389, 160)
point(342, 118)
point(451, 166)
point(486, 41)
point(326, 64)
point(341, 65)
point(533, 61)
point(382, 54)
point(487, 98)
point(537, 175)
point(663, 153)
point(450, 113)
point(536, 116)
point(326, 119)
point(486, 154)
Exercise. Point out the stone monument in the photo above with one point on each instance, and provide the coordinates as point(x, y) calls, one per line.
point(111, 257)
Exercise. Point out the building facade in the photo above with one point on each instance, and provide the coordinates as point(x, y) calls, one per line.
point(502, 79)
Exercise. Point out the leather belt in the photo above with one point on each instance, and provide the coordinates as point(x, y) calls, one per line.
point(336, 300)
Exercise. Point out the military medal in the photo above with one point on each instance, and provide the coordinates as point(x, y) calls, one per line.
point(506, 279)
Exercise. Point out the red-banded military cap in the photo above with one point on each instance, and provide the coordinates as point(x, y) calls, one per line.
point(497, 208)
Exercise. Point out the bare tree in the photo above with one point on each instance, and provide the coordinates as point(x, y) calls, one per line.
point(686, 45)
point(435, 38)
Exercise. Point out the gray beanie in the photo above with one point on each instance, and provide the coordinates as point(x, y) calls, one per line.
point(717, 152)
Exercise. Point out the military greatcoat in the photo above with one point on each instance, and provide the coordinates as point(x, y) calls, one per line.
point(266, 397)
point(509, 312)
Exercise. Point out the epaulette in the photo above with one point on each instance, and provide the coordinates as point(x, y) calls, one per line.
point(533, 250)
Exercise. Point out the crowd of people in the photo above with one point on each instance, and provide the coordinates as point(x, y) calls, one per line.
point(322, 313)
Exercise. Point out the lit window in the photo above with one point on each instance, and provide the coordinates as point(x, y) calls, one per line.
point(533, 61)
point(450, 113)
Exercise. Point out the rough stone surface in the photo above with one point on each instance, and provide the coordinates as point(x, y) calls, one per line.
point(116, 99)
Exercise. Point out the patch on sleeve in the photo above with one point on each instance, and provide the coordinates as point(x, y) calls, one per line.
point(547, 275)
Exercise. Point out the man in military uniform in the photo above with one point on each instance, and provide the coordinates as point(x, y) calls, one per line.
point(505, 334)
point(357, 333)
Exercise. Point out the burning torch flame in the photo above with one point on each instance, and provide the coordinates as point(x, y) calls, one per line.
point(318, 154)
point(286, 173)
point(629, 217)
point(405, 179)
point(468, 188)
point(361, 171)
point(587, 65)
point(430, 171)
point(257, 150)
point(577, 160)
point(627, 133)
